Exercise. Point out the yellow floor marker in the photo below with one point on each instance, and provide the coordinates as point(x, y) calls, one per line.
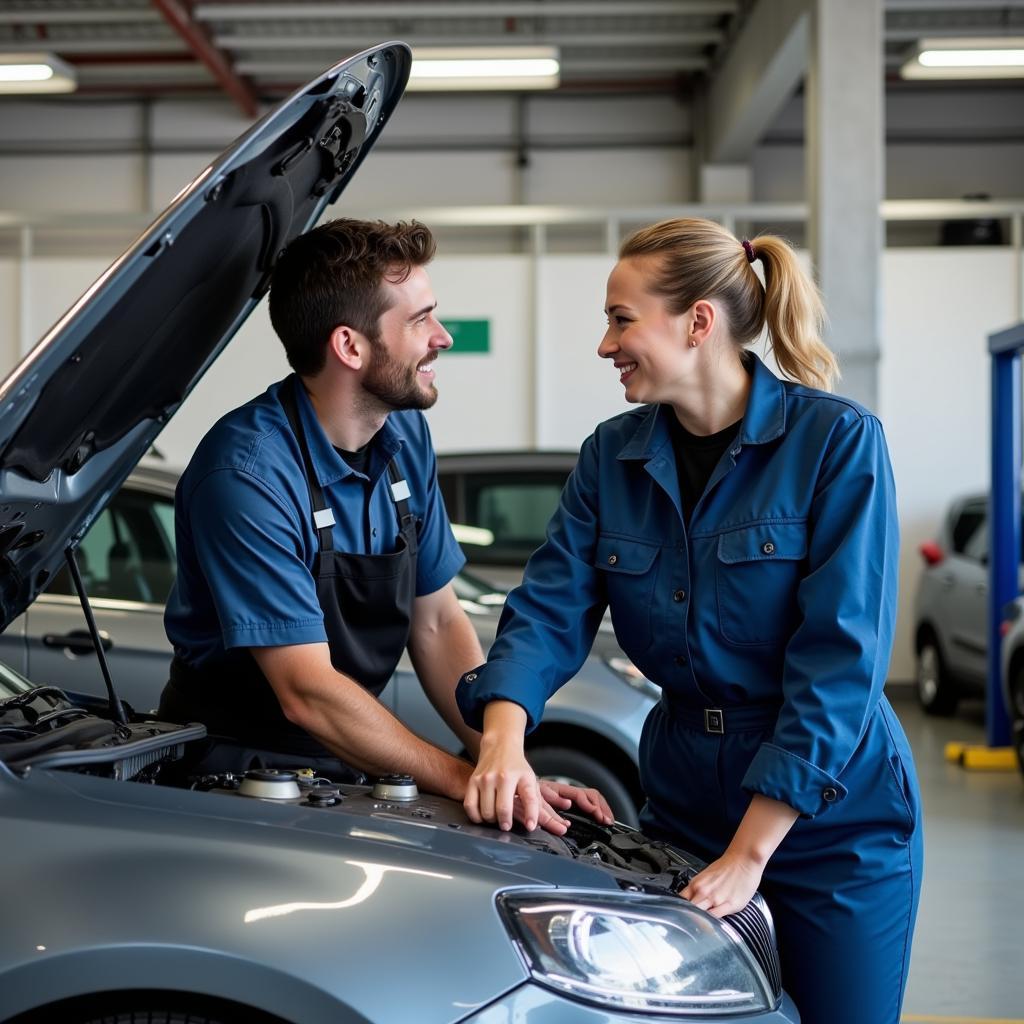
point(979, 758)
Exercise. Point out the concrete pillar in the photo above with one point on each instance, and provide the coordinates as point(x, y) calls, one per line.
point(845, 132)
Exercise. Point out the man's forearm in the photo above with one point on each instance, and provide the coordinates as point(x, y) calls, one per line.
point(338, 712)
point(441, 656)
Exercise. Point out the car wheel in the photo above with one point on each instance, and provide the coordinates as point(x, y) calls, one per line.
point(936, 692)
point(1017, 713)
point(561, 764)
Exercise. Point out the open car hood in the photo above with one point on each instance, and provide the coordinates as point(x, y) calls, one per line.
point(84, 406)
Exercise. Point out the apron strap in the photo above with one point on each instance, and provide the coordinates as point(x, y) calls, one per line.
point(323, 515)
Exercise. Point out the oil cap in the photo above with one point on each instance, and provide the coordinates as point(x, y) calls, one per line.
point(270, 784)
point(395, 787)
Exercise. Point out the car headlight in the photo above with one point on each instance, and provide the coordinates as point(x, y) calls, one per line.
point(648, 953)
point(629, 673)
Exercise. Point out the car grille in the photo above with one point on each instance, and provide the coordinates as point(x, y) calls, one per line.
point(754, 925)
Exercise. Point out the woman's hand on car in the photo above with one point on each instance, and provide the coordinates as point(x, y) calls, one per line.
point(503, 786)
point(726, 885)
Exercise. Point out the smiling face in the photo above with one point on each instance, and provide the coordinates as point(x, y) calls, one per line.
point(410, 337)
point(646, 342)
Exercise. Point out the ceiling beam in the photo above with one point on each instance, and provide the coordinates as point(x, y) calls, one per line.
point(354, 42)
point(308, 66)
point(765, 63)
point(111, 44)
point(416, 9)
point(78, 16)
point(180, 19)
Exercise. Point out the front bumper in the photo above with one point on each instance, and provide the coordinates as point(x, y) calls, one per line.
point(539, 1005)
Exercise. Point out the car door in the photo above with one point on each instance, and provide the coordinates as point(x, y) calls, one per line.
point(967, 605)
point(128, 565)
point(127, 561)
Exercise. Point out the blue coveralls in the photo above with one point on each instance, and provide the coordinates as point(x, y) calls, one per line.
point(774, 606)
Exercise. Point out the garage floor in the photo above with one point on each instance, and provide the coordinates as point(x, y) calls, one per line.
point(968, 959)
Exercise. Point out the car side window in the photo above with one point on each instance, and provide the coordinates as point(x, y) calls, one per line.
point(976, 548)
point(128, 553)
point(448, 482)
point(515, 509)
point(966, 526)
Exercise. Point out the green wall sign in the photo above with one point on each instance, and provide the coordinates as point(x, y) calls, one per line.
point(469, 335)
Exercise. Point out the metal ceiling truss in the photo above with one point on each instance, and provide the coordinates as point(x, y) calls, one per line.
point(261, 49)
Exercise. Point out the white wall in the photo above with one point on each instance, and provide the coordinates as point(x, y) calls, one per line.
point(935, 397)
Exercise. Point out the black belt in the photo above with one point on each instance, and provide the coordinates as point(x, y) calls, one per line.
point(719, 721)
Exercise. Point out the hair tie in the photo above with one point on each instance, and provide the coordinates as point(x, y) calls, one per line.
point(750, 251)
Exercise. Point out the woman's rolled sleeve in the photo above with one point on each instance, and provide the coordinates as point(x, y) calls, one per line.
point(837, 658)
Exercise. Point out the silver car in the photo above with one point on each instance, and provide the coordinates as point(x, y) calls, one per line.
point(132, 891)
point(1012, 663)
point(951, 609)
point(591, 730)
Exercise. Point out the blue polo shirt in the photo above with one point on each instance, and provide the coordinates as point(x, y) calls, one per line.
point(781, 589)
point(246, 543)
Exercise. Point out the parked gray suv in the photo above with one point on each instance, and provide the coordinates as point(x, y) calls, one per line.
point(951, 609)
point(134, 892)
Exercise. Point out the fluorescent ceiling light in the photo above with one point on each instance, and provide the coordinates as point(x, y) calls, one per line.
point(491, 67)
point(967, 57)
point(35, 73)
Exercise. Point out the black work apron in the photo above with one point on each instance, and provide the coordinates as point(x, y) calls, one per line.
point(367, 603)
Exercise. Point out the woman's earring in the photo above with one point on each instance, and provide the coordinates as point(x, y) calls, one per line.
point(693, 344)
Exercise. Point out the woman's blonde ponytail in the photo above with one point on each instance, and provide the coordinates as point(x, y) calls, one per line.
point(795, 315)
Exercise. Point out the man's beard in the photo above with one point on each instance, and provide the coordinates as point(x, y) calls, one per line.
point(394, 384)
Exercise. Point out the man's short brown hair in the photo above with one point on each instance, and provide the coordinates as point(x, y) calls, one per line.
point(334, 275)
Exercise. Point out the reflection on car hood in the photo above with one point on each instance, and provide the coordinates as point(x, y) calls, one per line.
point(84, 406)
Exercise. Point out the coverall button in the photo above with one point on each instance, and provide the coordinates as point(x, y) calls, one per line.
point(680, 659)
point(612, 559)
point(828, 794)
point(679, 595)
point(470, 677)
point(768, 547)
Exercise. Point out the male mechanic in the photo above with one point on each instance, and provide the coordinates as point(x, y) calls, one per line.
point(313, 545)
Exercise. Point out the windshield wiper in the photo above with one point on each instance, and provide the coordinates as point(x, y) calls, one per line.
point(116, 710)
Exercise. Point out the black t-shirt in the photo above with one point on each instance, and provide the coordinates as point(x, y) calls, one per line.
point(356, 460)
point(696, 458)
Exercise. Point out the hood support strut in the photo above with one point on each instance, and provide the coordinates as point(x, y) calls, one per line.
point(116, 710)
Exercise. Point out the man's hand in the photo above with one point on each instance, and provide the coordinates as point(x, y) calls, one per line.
point(562, 796)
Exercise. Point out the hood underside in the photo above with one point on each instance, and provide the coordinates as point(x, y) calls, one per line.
point(83, 407)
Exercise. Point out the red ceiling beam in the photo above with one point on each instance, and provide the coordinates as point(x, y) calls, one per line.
point(179, 17)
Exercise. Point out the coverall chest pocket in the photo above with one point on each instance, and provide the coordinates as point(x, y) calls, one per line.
point(629, 568)
point(758, 570)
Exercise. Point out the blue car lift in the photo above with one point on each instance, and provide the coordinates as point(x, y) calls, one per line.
point(1004, 546)
point(1004, 514)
